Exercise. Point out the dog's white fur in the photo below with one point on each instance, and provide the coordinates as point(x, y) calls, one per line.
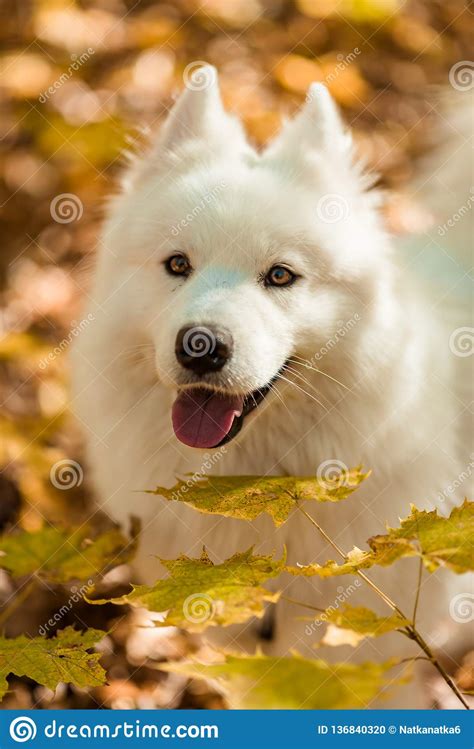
point(386, 394)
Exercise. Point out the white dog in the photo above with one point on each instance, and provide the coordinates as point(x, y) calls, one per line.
point(250, 313)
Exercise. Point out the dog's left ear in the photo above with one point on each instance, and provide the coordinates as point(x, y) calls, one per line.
point(316, 131)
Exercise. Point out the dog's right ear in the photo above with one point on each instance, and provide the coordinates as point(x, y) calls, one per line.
point(199, 115)
point(197, 128)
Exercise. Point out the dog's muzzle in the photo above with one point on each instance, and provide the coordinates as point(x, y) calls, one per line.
point(203, 349)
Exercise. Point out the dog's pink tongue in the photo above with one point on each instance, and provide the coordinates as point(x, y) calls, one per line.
point(202, 419)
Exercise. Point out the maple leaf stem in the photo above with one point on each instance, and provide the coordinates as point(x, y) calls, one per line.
point(410, 630)
point(415, 635)
point(414, 657)
point(418, 590)
point(323, 532)
point(17, 601)
point(300, 603)
point(364, 577)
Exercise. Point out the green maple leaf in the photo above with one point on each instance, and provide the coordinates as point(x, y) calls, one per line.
point(363, 621)
point(439, 541)
point(260, 682)
point(351, 624)
point(198, 594)
point(60, 555)
point(356, 560)
point(63, 658)
point(247, 497)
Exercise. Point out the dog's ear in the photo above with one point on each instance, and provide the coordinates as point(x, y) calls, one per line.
point(198, 112)
point(197, 128)
point(317, 130)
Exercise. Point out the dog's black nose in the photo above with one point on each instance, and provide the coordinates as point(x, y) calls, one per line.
point(203, 348)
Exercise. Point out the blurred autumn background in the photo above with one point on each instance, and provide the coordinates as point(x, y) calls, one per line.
point(79, 82)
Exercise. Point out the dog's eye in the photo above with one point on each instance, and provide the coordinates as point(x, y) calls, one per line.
point(279, 276)
point(178, 265)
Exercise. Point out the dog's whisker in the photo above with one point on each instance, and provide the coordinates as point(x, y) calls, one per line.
point(155, 222)
point(139, 346)
point(305, 363)
point(145, 352)
point(298, 387)
point(302, 379)
point(275, 390)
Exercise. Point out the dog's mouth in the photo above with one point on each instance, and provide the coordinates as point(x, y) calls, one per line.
point(205, 418)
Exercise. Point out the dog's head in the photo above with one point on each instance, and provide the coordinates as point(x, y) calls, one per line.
point(235, 262)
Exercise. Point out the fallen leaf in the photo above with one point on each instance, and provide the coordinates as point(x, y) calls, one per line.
point(63, 658)
point(60, 555)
